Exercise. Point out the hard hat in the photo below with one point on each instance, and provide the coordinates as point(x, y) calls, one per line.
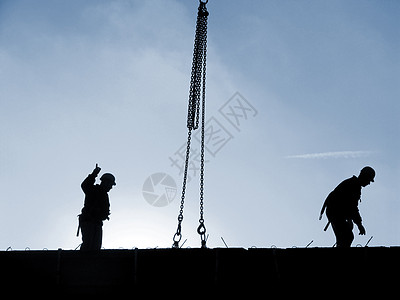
point(108, 176)
point(368, 172)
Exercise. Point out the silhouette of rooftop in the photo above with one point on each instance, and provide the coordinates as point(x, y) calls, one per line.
point(228, 271)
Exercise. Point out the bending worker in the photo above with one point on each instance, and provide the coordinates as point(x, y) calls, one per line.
point(342, 207)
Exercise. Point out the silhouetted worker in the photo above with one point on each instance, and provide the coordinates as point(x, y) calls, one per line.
point(95, 210)
point(342, 207)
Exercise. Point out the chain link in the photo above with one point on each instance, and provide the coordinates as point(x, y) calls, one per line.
point(197, 91)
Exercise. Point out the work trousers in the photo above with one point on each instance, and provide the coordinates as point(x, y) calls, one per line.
point(92, 235)
point(343, 230)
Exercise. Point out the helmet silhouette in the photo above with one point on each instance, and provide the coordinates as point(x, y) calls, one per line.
point(109, 177)
point(368, 172)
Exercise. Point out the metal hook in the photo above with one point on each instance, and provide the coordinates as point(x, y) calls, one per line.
point(201, 229)
point(177, 238)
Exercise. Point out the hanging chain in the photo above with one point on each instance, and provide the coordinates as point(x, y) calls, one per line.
point(201, 230)
point(178, 235)
point(197, 91)
point(199, 57)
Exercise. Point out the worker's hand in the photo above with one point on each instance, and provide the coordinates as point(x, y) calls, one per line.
point(361, 229)
point(96, 170)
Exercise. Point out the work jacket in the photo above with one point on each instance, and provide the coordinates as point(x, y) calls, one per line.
point(97, 204)
point(342, 202)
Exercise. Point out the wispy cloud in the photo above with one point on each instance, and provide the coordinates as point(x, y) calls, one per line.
point(337, 154)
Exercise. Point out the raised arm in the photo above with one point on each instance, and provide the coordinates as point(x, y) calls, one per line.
point(90, 180)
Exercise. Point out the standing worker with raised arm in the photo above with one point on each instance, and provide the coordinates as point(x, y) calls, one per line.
point(95, 210)
point(342, 207)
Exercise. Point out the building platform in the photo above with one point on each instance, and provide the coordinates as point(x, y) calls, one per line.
point(173, 272)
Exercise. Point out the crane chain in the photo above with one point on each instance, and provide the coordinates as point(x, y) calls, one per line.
point(197, 91)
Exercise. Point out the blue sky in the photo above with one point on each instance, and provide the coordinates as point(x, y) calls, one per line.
point(107, 82)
